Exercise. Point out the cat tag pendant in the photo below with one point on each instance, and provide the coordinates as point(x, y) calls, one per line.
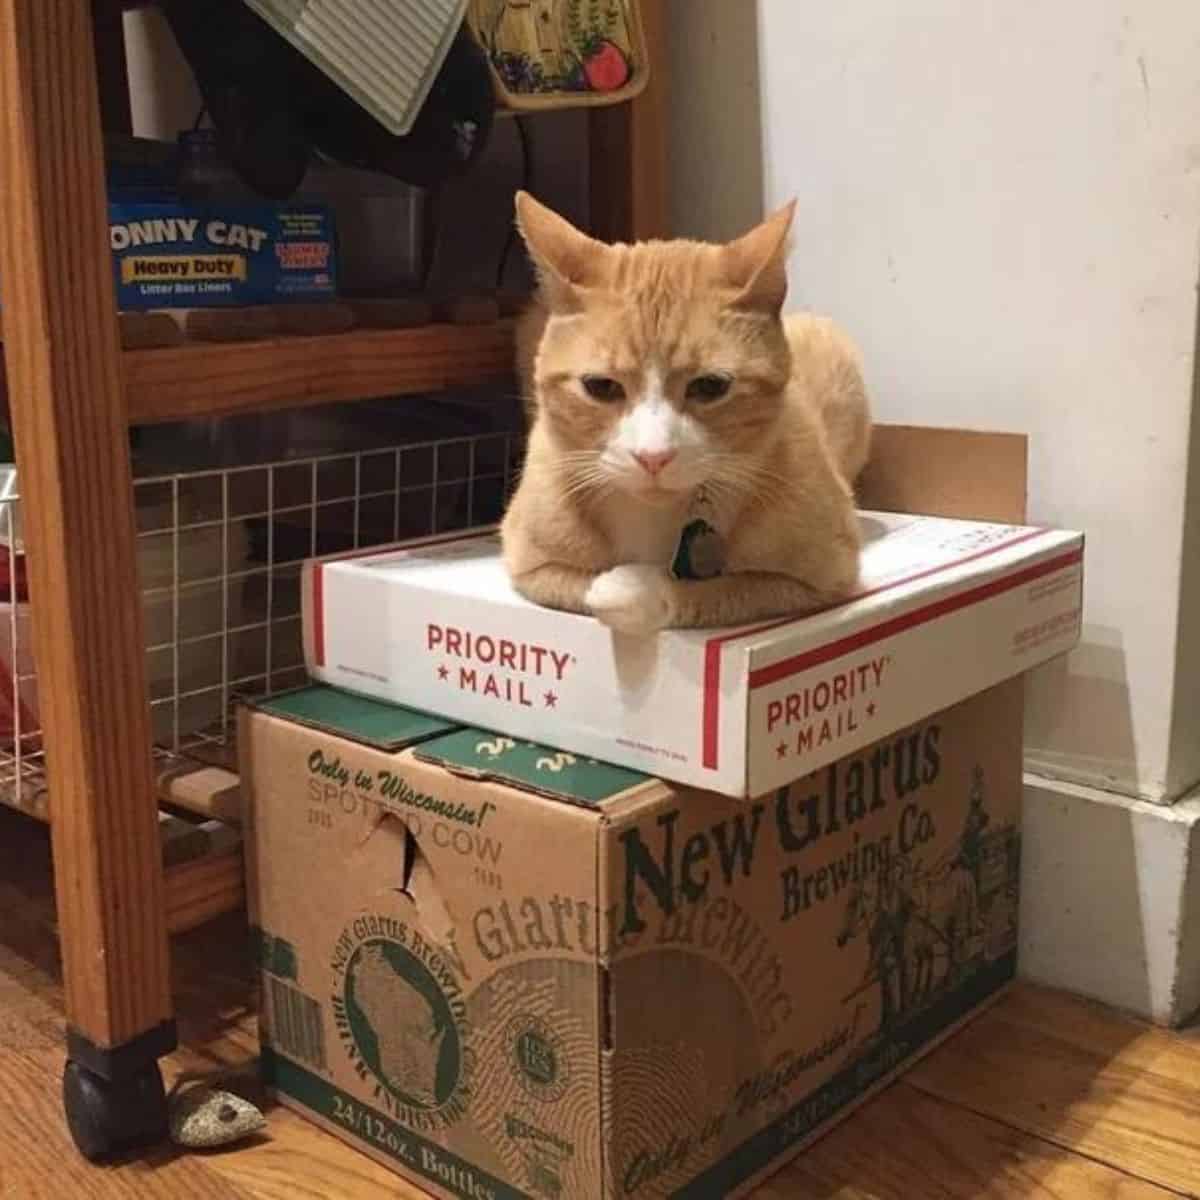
point(701, 552)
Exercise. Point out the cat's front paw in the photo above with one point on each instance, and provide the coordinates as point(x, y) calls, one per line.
point(633, 599)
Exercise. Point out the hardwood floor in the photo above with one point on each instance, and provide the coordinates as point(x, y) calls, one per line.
point(1042, 1096)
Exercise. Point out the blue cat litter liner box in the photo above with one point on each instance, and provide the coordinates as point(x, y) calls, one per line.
point(170, 252)
point(167, 254)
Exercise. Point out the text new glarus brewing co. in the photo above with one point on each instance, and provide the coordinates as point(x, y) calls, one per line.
point(836, 799)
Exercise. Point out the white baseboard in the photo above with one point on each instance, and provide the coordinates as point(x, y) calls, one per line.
point(1110, 904)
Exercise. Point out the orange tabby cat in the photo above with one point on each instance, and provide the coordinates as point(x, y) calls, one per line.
point(670, 400)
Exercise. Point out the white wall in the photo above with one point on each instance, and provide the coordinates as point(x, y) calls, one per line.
point(714, 135)
point(1001, 200)
point(1110, 898)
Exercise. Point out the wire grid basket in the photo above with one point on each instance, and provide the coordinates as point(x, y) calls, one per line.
point(219, 555)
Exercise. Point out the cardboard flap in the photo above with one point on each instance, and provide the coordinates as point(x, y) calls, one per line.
point(370, 722)
point(476, 754)
point(946, 473)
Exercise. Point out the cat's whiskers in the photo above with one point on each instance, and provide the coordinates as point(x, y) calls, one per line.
point(747, 474)
point(730, 475)
point(719, 488)
point(577, 484)
point(588, 479)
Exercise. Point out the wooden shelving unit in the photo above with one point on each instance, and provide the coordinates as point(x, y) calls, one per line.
point(219, 379)
point(72, 395)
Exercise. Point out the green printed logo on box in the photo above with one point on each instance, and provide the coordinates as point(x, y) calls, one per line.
point(533, 767)
point(401, 1016)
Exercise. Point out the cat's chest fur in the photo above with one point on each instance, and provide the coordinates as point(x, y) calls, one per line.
point(641, 533)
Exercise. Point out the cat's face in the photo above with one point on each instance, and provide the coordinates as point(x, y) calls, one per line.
point(662, 365)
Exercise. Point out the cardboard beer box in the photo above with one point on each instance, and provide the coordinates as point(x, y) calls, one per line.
point(509, 971)
point(945, 609)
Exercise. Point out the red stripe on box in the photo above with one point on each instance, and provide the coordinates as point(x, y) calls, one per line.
point(318, 586)
point(791, 666)
point(919, 616)
point(712, 700)
point(903, 581)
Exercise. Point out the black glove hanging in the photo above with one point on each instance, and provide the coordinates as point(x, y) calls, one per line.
point(272, 108)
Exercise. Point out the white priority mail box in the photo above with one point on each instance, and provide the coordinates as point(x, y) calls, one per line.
point(945, 609)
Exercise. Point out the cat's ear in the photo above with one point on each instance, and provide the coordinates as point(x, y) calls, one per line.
point(756, 264)
point(565, 259)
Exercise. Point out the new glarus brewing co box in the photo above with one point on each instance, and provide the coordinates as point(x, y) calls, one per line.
point(945, 609)
point(506, 970)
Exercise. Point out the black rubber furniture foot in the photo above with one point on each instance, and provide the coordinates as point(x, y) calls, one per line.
point(114, 1099)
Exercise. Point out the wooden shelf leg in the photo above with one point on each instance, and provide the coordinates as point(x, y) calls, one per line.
point(628, 152)
point(68, 413)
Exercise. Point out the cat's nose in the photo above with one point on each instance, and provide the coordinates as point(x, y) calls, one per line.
point(653, 461)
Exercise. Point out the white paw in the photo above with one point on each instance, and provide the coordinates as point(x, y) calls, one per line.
point(634, 599)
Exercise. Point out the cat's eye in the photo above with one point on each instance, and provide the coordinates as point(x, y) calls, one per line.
point(707, 388)
point(600, 387)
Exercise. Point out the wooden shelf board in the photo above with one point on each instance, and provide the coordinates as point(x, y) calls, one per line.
point(204, 888)
point(223, 378)
point(195, 891)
